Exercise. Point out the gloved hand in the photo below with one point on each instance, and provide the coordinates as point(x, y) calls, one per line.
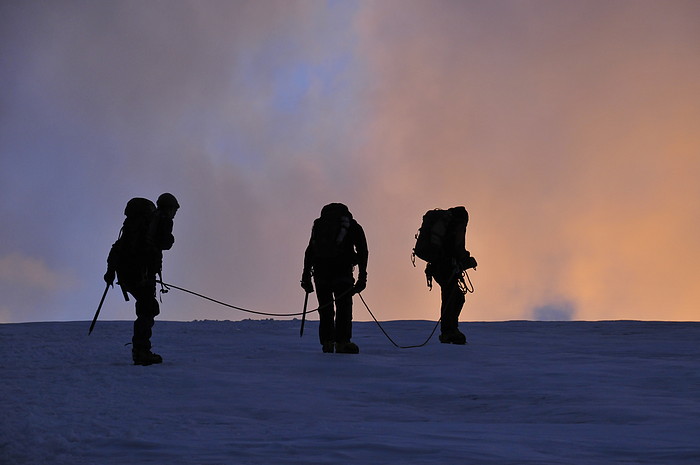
point(361, 283)
point(109, 277)
point(306, 283)
point(467, 261)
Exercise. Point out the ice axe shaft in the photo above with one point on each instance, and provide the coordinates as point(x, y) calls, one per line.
point(303, 315)
point(99, 307)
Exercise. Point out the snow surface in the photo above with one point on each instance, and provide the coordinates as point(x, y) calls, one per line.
point(254, 392)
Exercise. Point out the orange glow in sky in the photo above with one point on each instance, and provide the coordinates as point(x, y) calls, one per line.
point(569, 130)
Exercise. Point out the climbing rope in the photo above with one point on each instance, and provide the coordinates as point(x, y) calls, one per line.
point(246, 310)
point(166, 286)
point(387, 334)
point(461, 286)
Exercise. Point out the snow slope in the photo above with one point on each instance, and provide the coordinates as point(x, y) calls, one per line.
point(254, 392)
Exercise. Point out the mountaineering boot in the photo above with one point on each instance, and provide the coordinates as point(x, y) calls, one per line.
point(346, 347)
point(328, 347)
point(145, 357)
point(453, 336)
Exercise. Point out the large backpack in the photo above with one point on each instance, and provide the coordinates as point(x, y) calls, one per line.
point(329, 234)
point(435, 238)
point(139, 213)
point(131, 254)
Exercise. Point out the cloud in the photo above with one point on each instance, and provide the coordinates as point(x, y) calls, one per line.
point(562, 311)
point(133, 100)
point(32, 290)
point(567, 129)
point(33, 273)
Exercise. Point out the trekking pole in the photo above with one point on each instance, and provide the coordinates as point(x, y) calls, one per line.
point(303, 315)
point(99, 307)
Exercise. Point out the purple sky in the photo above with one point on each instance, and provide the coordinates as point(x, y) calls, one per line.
point(569, 130)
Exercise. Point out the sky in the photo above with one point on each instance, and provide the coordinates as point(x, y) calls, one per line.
point(567, 129)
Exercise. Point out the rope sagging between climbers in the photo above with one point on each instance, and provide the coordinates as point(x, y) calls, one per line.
point(246, 310)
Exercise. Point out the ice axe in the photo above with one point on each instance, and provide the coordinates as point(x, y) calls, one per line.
point(303, 315)
point(99, 307)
